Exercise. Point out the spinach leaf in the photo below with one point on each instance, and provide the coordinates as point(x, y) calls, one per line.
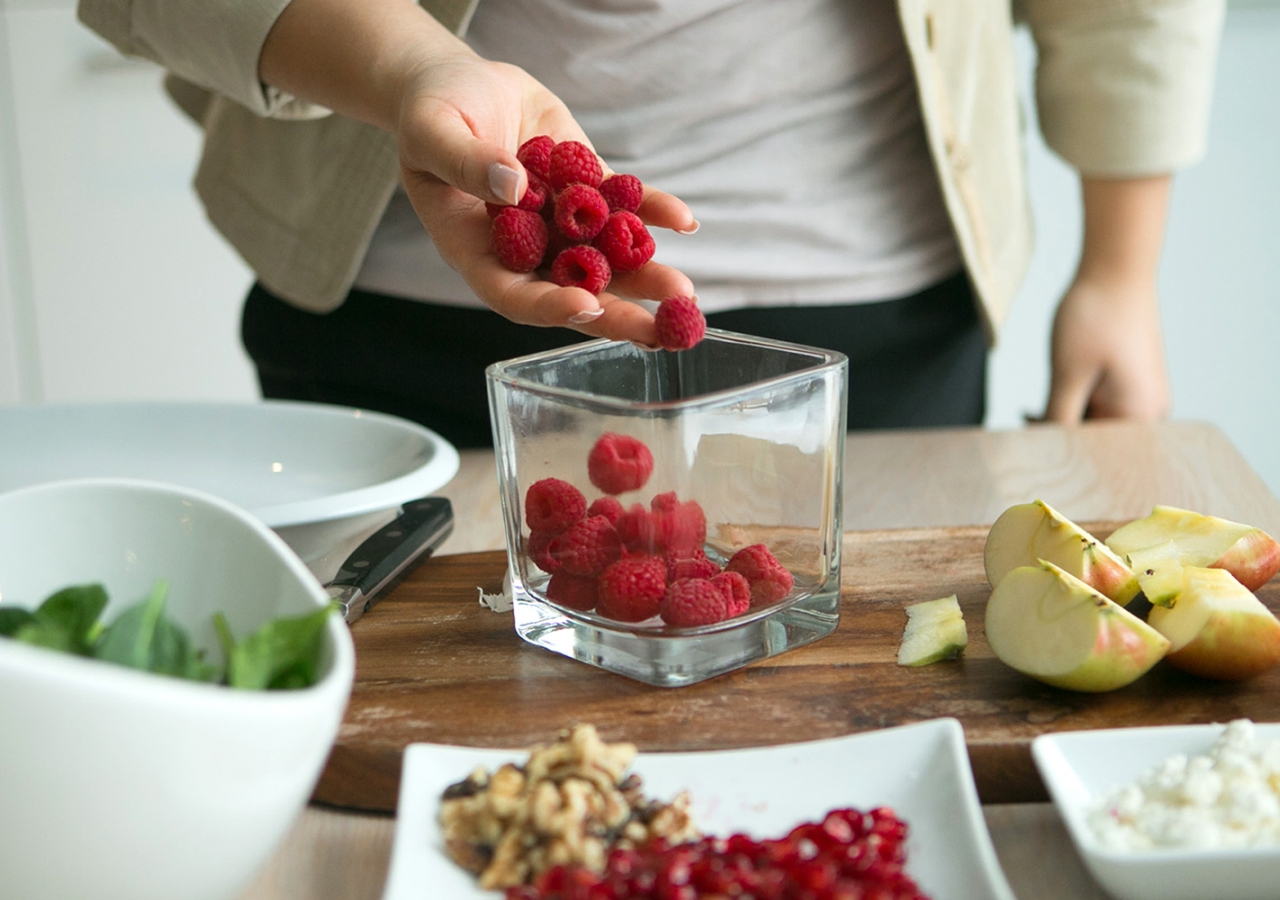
point(13, 618)
point(128, 640)
point(66, 620)
point(282, 654)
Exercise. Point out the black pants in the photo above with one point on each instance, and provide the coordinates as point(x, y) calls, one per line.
point(913, 362)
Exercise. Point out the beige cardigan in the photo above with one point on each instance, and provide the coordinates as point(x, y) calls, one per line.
point(1122, 89)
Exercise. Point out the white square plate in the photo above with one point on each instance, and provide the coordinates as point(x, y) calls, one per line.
point(1081, 767)
point(920, 770)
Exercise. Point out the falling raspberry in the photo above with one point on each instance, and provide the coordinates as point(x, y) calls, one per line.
point(680, 323)
point(619, 463)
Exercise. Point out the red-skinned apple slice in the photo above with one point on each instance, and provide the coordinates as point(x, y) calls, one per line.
point(1248, 553)
point(1218, 628)
point(1029, 532)
point(1050, 625)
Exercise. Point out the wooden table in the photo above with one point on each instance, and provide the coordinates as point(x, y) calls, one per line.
point(1097, 472)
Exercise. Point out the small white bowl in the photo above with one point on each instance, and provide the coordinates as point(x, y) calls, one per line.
point(1080, 768)
point(122, 785)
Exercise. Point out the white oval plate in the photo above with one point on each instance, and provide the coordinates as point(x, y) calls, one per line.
point(289, 464)
point(921, 770)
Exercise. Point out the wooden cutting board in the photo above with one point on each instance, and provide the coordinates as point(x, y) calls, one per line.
point(432, 665)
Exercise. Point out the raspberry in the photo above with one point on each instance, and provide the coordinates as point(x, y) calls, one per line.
point(638, 529)
point(553, 505)
point(680, 323)
point(534, 199)
point(691, 564)
point(609, 507)
point(519, 238)
point(573, 162)
point(587, 547)
point(622, 192)
point(681, 527)
point(580, 212)
point(693, 601)
point(737, 591)
point(619, 463)
point(535, 155)
point(631, 589)
point(581, 266)
point(537, 548)
point(625, 242)
point(572, 591)
point(770, 580)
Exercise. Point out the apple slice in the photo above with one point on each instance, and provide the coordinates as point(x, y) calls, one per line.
point(1050, 625)
point(1217, 627)
point(935, 631)
point(1159, 571)
point(1033, 531)
point(1248, 553)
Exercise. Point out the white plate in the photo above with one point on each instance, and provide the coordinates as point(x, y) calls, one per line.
point(315, 473)
point(1080, 767)
point(921, 771)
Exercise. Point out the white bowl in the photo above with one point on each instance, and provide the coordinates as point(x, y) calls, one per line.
point(318, 474)
point(122, 785)
point(1079, 768)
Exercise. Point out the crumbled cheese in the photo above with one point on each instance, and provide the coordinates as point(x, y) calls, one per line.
point(1229, 797)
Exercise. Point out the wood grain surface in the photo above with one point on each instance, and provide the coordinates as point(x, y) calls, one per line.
point(435, 666)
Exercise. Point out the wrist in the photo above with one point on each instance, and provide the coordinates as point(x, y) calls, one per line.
point(1123, 231)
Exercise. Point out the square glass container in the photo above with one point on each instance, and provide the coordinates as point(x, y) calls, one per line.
point(751, 430)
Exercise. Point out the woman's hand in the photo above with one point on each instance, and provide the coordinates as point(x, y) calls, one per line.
point(458, 120)
point(1107, 350)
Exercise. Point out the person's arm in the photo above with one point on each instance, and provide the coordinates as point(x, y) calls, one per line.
point(458, 120)
point(1107, 351)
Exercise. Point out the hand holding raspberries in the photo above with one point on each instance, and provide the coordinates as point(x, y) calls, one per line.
point(579, 228)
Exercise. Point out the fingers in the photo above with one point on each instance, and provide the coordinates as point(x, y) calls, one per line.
point(1068, 398)
point(663, 210)
point(452, 153)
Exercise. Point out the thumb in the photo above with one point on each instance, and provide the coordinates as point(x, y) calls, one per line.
point(449, 150)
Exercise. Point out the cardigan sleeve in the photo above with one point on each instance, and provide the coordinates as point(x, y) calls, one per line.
point(1123, 87)
point(211, 43)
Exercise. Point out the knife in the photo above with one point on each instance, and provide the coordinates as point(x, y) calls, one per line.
point(413, 535)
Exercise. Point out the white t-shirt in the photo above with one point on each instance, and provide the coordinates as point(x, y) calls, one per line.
point(791, 128)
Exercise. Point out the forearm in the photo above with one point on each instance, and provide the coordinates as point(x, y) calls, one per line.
point(353, 56)
point(1124, 220)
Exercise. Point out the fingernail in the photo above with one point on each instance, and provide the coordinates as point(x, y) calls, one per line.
point(587, 315)
point(503, 181)
point(696, 226)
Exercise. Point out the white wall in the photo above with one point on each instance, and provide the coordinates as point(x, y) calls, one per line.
point(1220, 275)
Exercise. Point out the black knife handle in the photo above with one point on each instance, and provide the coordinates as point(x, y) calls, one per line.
point(421, 527)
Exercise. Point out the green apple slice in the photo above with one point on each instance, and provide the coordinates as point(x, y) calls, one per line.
point(1050, 625)
point(1218, 628)
point(1248, 553)
point(1033, 531)
point(935, 631)
point(1159, 572)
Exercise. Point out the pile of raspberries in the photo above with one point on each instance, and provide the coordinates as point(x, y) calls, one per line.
point(580, 227)
point(633, 563)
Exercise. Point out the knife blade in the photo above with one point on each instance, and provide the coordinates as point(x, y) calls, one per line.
point(414, 534)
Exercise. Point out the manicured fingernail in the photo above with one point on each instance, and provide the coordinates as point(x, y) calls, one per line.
point(587, 315)
point(696, 226)
point(503, 181)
